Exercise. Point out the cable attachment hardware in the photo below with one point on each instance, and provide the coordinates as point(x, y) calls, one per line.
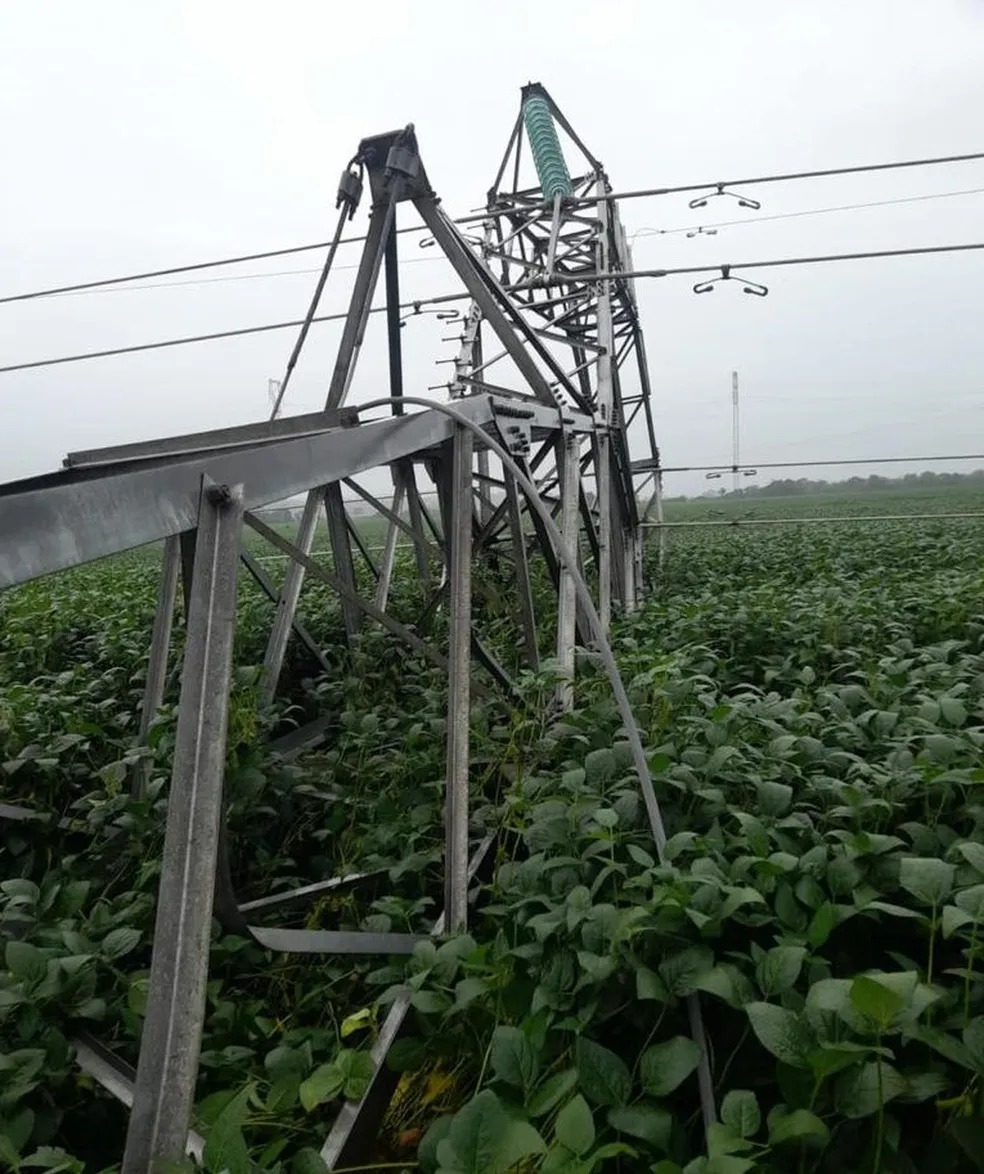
point(441, 315)
point(748, 286)
point(350, 186)
point(743, 201)
point(701, 231)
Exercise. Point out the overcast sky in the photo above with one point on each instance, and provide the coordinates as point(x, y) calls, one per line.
point(137, 136)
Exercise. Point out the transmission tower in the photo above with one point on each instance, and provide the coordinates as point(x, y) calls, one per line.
point(531, 454)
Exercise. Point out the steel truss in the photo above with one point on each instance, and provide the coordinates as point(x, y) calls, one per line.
point(555, 421)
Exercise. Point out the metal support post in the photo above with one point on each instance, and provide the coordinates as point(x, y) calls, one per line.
point(568, 459)
point(160, 643)
point(169, 1048)
point(459, 694)
point(603, 485)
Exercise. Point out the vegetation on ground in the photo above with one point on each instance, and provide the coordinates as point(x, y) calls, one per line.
point(812, 704)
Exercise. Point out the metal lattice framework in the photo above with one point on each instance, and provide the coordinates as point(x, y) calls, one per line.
point(549, 377)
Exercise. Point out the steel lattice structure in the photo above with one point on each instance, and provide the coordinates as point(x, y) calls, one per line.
point(549, 377)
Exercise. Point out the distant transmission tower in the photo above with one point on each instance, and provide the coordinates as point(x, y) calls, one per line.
point(736, 476)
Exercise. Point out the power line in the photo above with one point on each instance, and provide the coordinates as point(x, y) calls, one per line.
point(232, 277)
point(728, 183)
point(805, 212)
point(971, 456)
point(475, 219)
point(443, 299)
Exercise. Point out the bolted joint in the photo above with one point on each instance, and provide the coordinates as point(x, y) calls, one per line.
point(223, 495)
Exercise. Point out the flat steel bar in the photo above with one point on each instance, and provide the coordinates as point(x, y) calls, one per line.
point(168, 1065)
point(330, 941)
point(160, 643)
point(459, 679)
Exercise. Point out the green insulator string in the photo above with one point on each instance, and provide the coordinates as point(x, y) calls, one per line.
point(555, 179)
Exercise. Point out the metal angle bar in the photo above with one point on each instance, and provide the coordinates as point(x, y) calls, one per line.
point(394, 327)
point(306, 892)
point(60, 520)
point(116, 1077)
point(342, 555)
point(356, 537)
point(380, 228)
point(459, 678)
point(490, 297)
point(289, 745)
point(240, 436)
point(567, 598)
point(319, 572)
point(526, 605)
point(160, 643)
point(168, 1064)
point(408, 478)
point(290, 592)
point(389, 551)
point(356, 1125)
point(266, 585)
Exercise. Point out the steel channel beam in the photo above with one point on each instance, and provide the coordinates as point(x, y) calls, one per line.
point(64, 519)
point(169, 1048)
point(459, 695)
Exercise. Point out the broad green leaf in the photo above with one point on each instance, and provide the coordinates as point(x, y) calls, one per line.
point(822, 925)
point(780, 968)
point(357, 1021)
point(781, 1032)
point(680, 971)
point(324, 1084)
point(664, 1067)
point(973, 1041)
point(308, 1161)
point(971, 901)
point(549, 1095)
point(575, 1127)
point(953, 711)
point(741, 1113)
point(603, 1077)
point(649, 985)
point(774, 799)
point(973, 853)
point(225, 1146)
point(857, 1092)
point(799, 1125)
point(484, 1139)
point(650, 1123)
point(599, 767)
point(120, 942)
point(512, 1058)
point(927, 878)
point(25, 961)
point(875, 1000)
point(953, 919)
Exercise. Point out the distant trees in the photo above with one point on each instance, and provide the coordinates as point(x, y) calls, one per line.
point(802, 486)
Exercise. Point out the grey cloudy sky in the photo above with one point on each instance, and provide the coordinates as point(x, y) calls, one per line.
point(143, 135)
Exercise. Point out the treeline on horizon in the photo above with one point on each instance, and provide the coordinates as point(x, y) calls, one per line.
point(804, 486)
